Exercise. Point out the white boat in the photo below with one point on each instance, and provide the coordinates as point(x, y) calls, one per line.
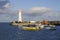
point(49, 26)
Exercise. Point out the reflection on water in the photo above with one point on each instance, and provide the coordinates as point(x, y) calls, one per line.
point(8, 32)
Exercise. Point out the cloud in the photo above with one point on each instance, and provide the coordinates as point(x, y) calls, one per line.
point(4, 6)
point(51, 16)
point(7, 5)
point(2, 0)
point(3, 3)
point(35, 13)
point(38, 10)
point(5, 12)
point(8, 17)
point(40, 13)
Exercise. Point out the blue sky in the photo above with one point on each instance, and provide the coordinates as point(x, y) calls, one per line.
point(26, 4)
point(31, 10)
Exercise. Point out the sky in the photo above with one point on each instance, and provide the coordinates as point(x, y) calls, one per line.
point(35, 10)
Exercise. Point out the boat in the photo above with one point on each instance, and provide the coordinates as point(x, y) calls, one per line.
point(50, 27)
point(31, 27)
point(47, 25)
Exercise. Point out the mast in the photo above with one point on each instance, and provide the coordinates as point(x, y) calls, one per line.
point(19, 16)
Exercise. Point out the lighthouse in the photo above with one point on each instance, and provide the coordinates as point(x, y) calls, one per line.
point(19, 16)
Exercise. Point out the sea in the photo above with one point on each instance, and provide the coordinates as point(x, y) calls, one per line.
point(9, 32)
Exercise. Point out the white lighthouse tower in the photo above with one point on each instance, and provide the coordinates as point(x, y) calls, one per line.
point(19, 16)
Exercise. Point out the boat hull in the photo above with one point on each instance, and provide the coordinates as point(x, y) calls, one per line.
point(30, 28)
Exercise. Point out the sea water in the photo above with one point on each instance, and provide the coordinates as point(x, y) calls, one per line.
point(9, 32)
